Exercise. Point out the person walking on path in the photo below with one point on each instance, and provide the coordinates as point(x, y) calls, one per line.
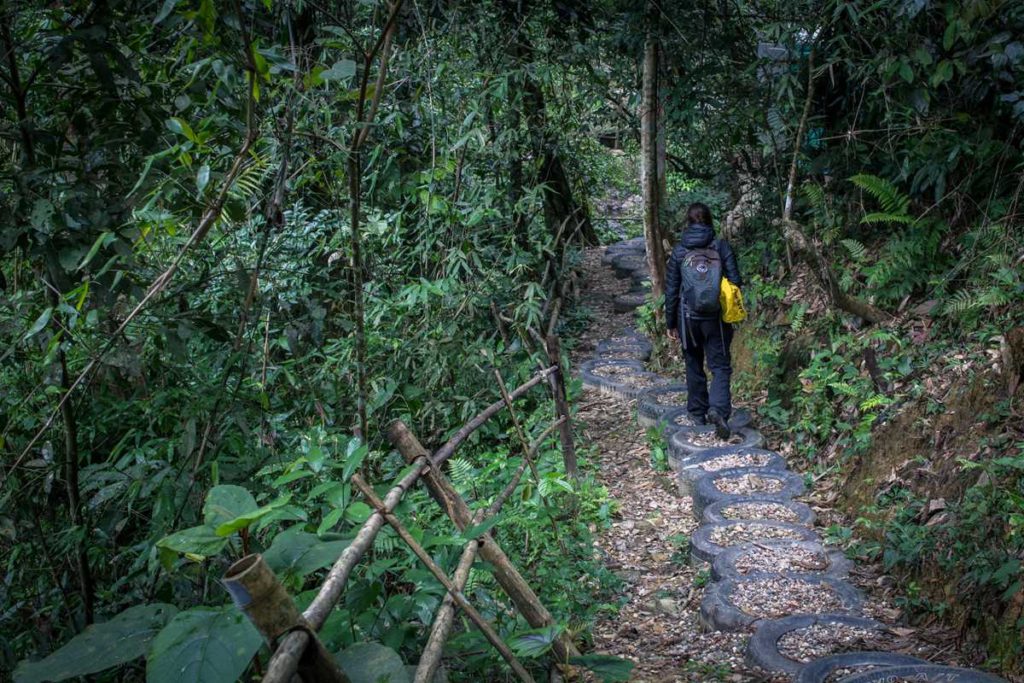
point(693, 314)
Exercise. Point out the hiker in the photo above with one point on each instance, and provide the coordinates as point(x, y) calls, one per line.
point(693, 313)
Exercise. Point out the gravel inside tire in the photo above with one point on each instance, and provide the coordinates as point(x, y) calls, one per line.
point(739, 561)
point(722, 608)
point(624, 378)
point(624, 303)
point(763, 648)
point(654, 403)
point(748, 482)
point(637, 353)
point(819, 670)
point(590, 370)
point(745, 507)
point(923, 673)
point(625, 339)
point(690, 441)
point(716, 460)
point(709, 540)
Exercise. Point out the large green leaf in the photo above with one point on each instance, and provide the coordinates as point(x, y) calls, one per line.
point(244, 520)
point(203, 645)
point(226, 502)
point(296, 553)
point(198, 542)
point(100, 646)
point(372, 663)
point(535, 642)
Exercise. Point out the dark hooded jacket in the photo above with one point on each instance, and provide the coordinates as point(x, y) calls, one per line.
point(695, 236)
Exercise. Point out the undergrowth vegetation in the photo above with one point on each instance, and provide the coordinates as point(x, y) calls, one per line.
point(241, 238)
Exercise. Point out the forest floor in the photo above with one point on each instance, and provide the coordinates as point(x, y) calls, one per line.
point(647, 546)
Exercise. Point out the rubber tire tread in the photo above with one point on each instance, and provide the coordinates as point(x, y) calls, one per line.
point(595, 381)
point(649, 411)
point(685, 448)
point(630, 301)
point(690, 471)
point(820, 669)
point(718, 613)
point(943, 674)
point(763, 647)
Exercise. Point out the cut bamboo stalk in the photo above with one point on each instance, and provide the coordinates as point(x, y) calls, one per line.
point(505, 573)
point(478, 620)
point(285, 661)
point(255, 589)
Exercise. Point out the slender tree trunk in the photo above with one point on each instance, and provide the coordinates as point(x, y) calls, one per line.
point(649, 166)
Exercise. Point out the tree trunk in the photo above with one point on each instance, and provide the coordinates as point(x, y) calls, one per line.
point(649, 166)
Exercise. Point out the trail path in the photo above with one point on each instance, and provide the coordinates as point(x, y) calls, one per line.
point(661, 626)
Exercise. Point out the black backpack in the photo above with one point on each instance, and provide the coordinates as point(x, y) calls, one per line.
point(700, 274)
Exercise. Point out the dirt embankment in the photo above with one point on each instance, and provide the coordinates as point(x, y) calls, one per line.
point(922, 447)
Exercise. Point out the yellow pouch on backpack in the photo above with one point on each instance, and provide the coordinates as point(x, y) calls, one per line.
point(731, 300)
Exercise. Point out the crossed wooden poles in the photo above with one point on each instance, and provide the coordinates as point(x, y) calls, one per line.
point(299, 655)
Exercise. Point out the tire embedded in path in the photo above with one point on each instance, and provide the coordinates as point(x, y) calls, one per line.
point(711, 539)
point(764, 648)
point(745, 481)
point(739, 605)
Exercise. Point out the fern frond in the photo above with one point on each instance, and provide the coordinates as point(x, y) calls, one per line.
point(461, 472)
point(883, 217)
point(893, 201)
point(796, 322)
point(857, 250)
point(815, 195)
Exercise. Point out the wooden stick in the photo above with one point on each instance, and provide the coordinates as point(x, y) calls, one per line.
point(257, 592)
point(489, 633)
point(505, 573)
point(557, 382)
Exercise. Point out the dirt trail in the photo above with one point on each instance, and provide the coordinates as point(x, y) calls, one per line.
point(659, 626)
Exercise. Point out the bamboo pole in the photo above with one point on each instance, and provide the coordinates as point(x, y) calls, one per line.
point(285, 660)
point(478, 620)
point(257, 592)
point(505, 573)
point(430, 659)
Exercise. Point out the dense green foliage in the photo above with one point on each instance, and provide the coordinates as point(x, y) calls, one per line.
point(334, 245)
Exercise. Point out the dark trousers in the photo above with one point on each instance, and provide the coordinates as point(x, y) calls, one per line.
point(707, 340)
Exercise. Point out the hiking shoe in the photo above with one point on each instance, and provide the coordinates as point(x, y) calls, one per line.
point(698, 420)
point(722, 430)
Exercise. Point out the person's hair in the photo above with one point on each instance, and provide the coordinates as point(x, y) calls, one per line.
point(698, 213)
